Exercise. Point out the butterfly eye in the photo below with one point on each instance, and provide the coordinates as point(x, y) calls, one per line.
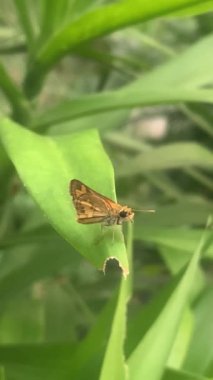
point(123, 214)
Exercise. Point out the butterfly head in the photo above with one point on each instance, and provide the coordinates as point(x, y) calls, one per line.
point(126, 214)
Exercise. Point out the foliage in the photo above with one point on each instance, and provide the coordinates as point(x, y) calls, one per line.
point(136, 81)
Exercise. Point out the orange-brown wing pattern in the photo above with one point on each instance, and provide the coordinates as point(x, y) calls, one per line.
point(91, 206)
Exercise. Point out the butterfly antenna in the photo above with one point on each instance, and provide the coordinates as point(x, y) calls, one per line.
point(150, 210)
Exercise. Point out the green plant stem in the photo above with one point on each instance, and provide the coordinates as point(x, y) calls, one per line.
point(203, 124)
point(17, 47)
point(200, 177)
point(24, 19)
point(19, 105)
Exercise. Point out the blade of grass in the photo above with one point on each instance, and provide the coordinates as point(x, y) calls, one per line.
point(172, 374)
point(170, 156)
point(200, 354)
point(157, 343)
point(199, 121)
point(182, 239)
point(18, 102)
point(120, 99)
point(195, 10)
point(2, 373)
point(23, 11)
point(187, 211)
point(114, 364)
point(52, 18)
point(200, 177)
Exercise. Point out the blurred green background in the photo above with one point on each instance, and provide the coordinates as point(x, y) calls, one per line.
point(78, 79)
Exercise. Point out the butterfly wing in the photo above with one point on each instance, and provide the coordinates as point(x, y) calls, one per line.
point(91, 206)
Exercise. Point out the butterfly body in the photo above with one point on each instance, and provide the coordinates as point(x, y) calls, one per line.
point(93, 207)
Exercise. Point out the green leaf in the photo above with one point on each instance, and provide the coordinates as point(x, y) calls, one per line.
point(18, 372)
point(5, 171)
point(157, 342)
point(52, 17)
point(188, 211)
point(181, 343)
point(42, 355)
point(120, 99)
point(105, 20)
point(88, 356)
point(200, 354)
point(147, 314)
point(59, 314)
point(113, 364)
point(26, 23)
point(171, 374)
point(61, 12)
point(2, 373)
point(46, 165)
point(22, 321)
point(62, 361)
point(200, 177)
point(186, 77)
point(102, 121)
point(45, 262)
point(177, 238)
point(170, 156)
point(155, 87)
point(195, 10)
point(99, 22)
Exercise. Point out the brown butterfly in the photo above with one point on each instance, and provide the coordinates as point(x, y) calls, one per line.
point(93, 207)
